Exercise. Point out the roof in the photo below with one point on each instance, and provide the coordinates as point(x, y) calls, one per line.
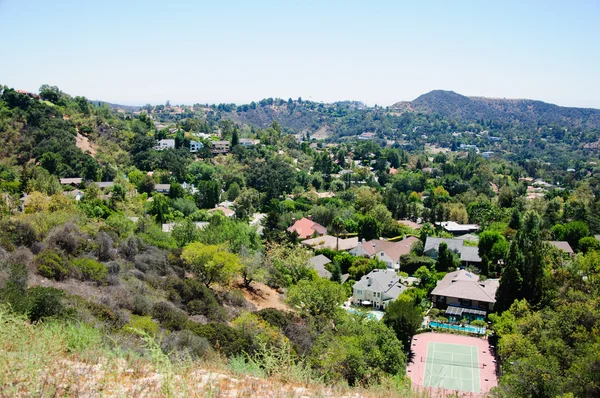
point(220, 142)
point(396, 249)
point(225, 210)
point(452, 226)
point(410, 224)
point(597, 237)
point(318, 263)
point(306, 228)
point(382, 280)
point(466, 285)
point(168, 141)
point(331, 242)
point(466, 253)
point(105, 184)
point(472, 237)
point(561, 245)
point(162, 187)
point(76, 180)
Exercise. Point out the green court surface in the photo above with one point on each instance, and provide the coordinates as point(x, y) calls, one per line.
point(452, 366)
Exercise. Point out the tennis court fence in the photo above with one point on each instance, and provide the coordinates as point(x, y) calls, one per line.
point(453, 363)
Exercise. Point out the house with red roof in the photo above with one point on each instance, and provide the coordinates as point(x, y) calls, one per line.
point(306, 227)
point(386, 251)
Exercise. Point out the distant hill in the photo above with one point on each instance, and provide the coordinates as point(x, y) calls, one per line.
point(128, 108)
point(515, 111)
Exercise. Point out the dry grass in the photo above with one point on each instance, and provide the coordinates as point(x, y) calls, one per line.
point(66, 359)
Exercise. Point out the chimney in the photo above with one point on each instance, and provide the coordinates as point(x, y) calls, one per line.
point(310, 217)
point(364, 240)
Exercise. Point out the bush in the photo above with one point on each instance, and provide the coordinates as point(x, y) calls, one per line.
point(235, 298)
point(185, 344)
point(223, 338)
point(478, 323)
point(52, 265)
point(274, 317)
point(90, 270)
point(169, 316)
point(104, 247)
point(67, 237)
point(141, 305)
point(44, 302)
point(434, 312)
point(143, 323)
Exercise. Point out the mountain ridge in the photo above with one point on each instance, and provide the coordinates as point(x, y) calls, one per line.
point(523, 111)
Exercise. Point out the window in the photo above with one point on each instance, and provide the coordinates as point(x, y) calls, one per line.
point(483, 305)
point(441, 299)
point(359, 292)
point(465, 303)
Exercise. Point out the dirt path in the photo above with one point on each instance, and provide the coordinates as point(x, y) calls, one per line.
point(263, 296)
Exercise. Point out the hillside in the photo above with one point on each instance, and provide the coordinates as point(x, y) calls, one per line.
point(524, 112)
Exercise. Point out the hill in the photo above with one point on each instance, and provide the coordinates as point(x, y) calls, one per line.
point(524, 112)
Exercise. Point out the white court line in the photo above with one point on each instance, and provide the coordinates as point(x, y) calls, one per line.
point(472, 376)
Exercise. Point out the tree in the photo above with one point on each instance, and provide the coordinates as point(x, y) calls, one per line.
point(246, 203)
point(185, 232)
point(159, 207)
point(368, 228)
point(446, 259)
point(146, 184)
point(211, 263)
point(208, 195)
point(235, 137)
point(337, 227)
point(404, 317)
point(253, 267)
point(492, 248)
point(317, 298)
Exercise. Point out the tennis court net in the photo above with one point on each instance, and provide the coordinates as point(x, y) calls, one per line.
point(453, 363)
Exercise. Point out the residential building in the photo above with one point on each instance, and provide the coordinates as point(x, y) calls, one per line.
point(457, 229)
point(318, 263)
point(226, 203)
point(224, 210)
point(105, 184)
point(366, 136)
point(331, 242)
point(71, 181)
point(463, 295)
point(378, 288)
point(597, 237)
point(195, 146)
point(219, 147)
point(562, 245)
point(306, 227)
point(169, 226)
point(75, 194)
point(167, 143)
point(410, 224)
point(248, 142)
point(469, 255)
point(256, 221)
point(386, 251)
point(162, 188)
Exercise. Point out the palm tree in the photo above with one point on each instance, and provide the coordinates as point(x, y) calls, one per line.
point(337, 227)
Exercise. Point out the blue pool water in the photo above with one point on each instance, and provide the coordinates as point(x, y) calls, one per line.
point(466, 328)
point(375, 315)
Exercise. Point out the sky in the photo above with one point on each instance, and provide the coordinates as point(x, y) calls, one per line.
point(379, 52)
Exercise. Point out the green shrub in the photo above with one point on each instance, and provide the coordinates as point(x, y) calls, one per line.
point(223, 338)
point(144, 323)
point(52, 265)
point(185, 344)
point(478, 323)
point(90, 270)
point(141, 305)
point(44, 302)
point(434, 312)
point(169, 316)
point(274, 317)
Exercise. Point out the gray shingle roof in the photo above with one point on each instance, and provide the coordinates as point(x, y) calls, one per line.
point(318, 263)
point(382, 280)
point(465, 285)
point(466, 253)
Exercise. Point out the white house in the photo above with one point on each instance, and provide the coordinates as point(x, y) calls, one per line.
point(378, 288)
point(248, 142)
point(167, 143)
point(195, 146)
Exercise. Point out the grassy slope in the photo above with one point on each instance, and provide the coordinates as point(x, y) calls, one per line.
point(60, 358)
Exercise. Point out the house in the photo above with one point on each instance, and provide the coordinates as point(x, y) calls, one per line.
point(386, 251)
point(219, 147)
point(162, 188)
point(463, 295)
point(318, 263)
point(469, 255)
point(195, 146)
point(167, 143)
point(224, 210)
point(561, 245)
point(331, 242)
point(226, 203)
point(256, 221)
point(306, 227)
point(246, 142)
point(487, 154)
point(378, 288)
point(366, 136)
point(71, 181)
point(597, 237)
point(471, 237)
point(457, 229)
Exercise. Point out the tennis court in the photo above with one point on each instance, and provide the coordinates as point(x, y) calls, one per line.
point(452, 367)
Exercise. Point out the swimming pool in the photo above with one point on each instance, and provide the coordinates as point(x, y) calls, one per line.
point(374, 315)
point(460, 328)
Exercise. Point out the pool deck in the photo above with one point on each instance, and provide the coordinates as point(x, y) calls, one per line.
point(416, 369)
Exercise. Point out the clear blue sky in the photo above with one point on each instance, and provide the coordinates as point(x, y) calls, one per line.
point(379, 52)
